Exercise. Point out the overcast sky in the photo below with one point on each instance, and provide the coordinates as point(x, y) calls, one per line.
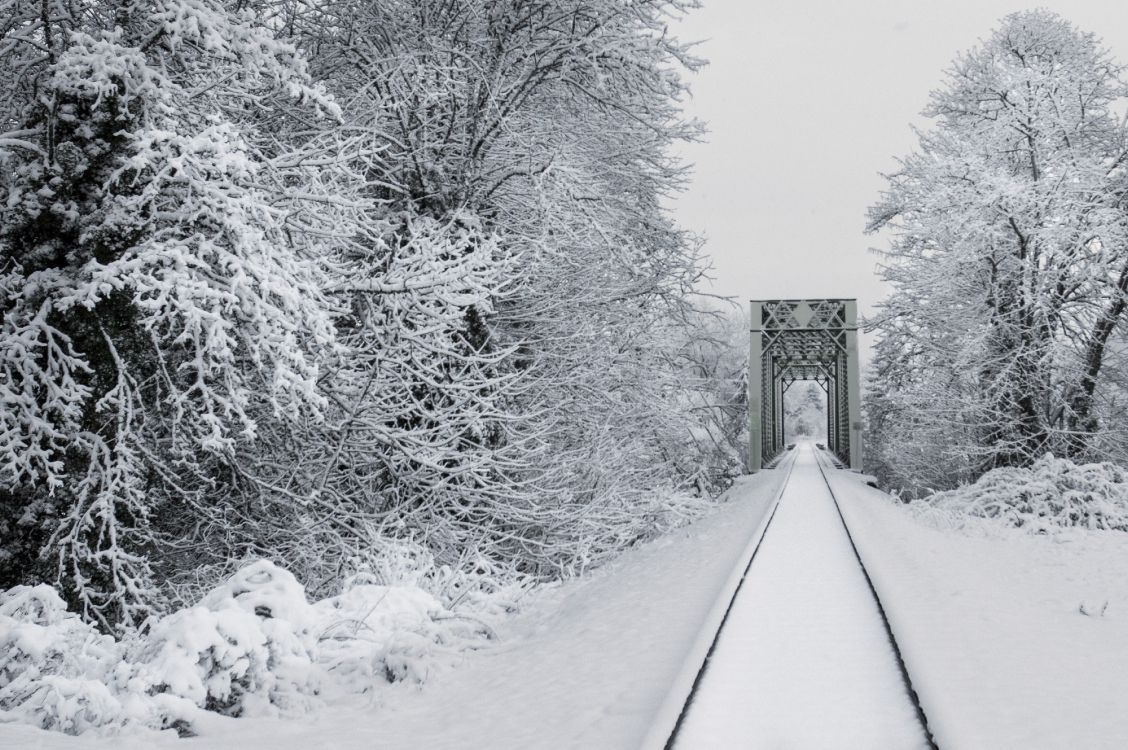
point(806, 103)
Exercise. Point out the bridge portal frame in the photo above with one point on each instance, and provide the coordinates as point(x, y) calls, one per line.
point(803, 339)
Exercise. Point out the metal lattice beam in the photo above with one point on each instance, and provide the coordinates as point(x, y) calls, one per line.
point(793, 340)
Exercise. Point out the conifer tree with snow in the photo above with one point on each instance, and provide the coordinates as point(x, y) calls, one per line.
point(161, 282)
point(805, 411)
point(1008, 264)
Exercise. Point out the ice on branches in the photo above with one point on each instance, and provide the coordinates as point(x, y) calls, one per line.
point(1002, 338)
point(159, 303)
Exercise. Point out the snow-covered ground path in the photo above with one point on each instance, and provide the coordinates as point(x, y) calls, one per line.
point(803, 660)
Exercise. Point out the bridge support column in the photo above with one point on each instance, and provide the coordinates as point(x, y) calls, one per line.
point(853, 385)
point(777, 416)
point(832, 411)
point(755, 389)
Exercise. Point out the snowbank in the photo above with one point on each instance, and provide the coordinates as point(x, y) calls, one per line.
point(1012, 640)
point(253, 646)
point(1053, 493)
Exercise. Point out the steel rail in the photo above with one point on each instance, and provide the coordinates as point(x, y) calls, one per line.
point(672, 740)
point(905, 678)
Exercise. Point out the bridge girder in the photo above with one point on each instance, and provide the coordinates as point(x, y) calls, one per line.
point(792, 340)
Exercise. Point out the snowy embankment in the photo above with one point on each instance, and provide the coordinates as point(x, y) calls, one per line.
point(1012, 639)
point(589, 663)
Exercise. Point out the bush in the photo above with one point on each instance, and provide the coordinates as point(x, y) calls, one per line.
point(251, 646)
point(1051, 494)
point(401, 618)
point(247, 647)
point(55, 670)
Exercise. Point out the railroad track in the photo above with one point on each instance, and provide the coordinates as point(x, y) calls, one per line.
point(686, 730)
point(902, 667)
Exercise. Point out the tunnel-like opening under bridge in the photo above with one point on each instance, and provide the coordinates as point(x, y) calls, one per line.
point(794, 340)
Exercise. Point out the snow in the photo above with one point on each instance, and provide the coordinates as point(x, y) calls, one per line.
point(803, 660)
point(589, 664)
point(1012, 640)
point(989, 620)
point(54, 668)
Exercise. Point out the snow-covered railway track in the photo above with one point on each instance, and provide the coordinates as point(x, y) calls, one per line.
point(804, 656)
point(906, 680)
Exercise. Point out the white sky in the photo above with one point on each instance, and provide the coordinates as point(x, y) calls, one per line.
point(806, 102)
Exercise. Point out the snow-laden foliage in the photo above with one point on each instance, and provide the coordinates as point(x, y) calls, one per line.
point(247, 646)
point(311, 281)
point(252, 646)
point(546, 129)
point(713, 384)
point(805, 412)
point(56, 671)
point(157, 309)
point(1051, 494)
point(372, 633)
point(1003, 335)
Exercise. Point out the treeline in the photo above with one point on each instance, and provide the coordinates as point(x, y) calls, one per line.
point(289, 279)
point(1004, 337)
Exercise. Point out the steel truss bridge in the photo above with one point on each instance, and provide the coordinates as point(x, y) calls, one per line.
point(803, 339)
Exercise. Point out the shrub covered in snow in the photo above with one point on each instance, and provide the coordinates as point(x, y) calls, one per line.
point(1052, 493)
point(248, 646)
point(56, 671)
point(400, 617)
point(380, 632)
point(253, 645)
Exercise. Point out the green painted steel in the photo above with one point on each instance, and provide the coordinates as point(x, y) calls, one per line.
point(804, 339)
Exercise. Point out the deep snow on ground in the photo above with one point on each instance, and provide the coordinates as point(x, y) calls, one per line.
point(589, 665)
point(989, 622)
point(803, 660)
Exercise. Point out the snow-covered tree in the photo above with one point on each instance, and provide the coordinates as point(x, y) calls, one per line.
point(805, 411)
point(162, 282)
point(714, 380)
point(549, 124)
point(296, 279)
point(1007, 260)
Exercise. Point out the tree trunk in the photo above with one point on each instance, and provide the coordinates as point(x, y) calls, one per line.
point(1082, 423)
